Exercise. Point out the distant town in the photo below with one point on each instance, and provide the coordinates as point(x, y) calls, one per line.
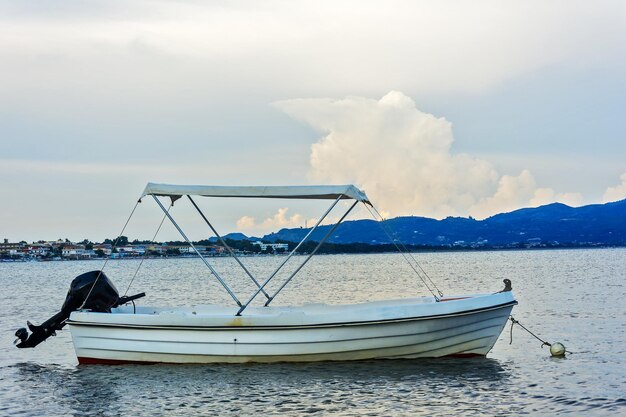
point(64, 249)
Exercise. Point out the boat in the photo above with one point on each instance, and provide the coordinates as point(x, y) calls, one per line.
point(110, 329)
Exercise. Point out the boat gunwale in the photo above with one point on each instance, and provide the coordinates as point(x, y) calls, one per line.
point(288, 326)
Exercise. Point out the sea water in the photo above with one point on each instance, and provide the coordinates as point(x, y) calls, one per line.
point(572, 296)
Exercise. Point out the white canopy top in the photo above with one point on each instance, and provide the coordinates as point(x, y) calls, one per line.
point(317, 192)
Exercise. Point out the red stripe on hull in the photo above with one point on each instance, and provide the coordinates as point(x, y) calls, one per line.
point(96, 361)
point(465, 355)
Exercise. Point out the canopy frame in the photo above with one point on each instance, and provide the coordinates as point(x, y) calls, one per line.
point(301, 192)
point(336, 193)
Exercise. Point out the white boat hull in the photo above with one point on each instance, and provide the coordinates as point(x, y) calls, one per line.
point(412, 328)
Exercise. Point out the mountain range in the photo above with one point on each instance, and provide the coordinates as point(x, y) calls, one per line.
point(553, 224)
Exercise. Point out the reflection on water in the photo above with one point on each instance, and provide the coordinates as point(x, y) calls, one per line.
point(575, 297)
point(356, 388)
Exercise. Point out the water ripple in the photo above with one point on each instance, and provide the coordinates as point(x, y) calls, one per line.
point(556, 300)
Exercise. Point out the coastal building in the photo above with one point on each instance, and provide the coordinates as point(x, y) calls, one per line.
point(532, 242)
point(10, 249)
point(39, 250)
point(72, 251)
point(183, 249)
point(133, 250)
point(106, 248)
point(274, 246)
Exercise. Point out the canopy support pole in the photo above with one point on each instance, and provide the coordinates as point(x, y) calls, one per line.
point(230, 251)
point(330, 232)
point(332, 206)
point(213, 271)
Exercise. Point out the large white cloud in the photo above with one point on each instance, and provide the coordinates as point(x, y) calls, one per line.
point(402, 157)
point(616, 193)
point(278, 221)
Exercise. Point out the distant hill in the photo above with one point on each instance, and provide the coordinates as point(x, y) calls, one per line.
point(234, 236)
point(555, 224)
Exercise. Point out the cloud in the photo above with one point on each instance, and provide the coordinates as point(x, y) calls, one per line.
point(512, 192)
point(281, 220)
point(278, 221)
point(547, 195)
point(403, 159)
point(521, 191)
point(246, 223)
point(616, 193)
point(292, 44)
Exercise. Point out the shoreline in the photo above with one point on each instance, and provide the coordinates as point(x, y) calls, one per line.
point(430, 250)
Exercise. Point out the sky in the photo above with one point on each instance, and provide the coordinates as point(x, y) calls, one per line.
point(433, 108)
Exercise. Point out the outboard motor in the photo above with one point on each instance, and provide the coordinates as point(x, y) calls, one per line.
point(102, 298)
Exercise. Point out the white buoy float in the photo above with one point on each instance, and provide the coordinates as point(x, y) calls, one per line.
point(557, 349)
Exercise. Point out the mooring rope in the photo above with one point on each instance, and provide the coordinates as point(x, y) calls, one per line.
point(411, 255)
point(543, 342)
point(514, 322)
point(143, 257)
point(393, 240)
point(107, 259)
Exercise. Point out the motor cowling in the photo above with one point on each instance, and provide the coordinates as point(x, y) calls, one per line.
point(91, 291)
point(103, 296)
